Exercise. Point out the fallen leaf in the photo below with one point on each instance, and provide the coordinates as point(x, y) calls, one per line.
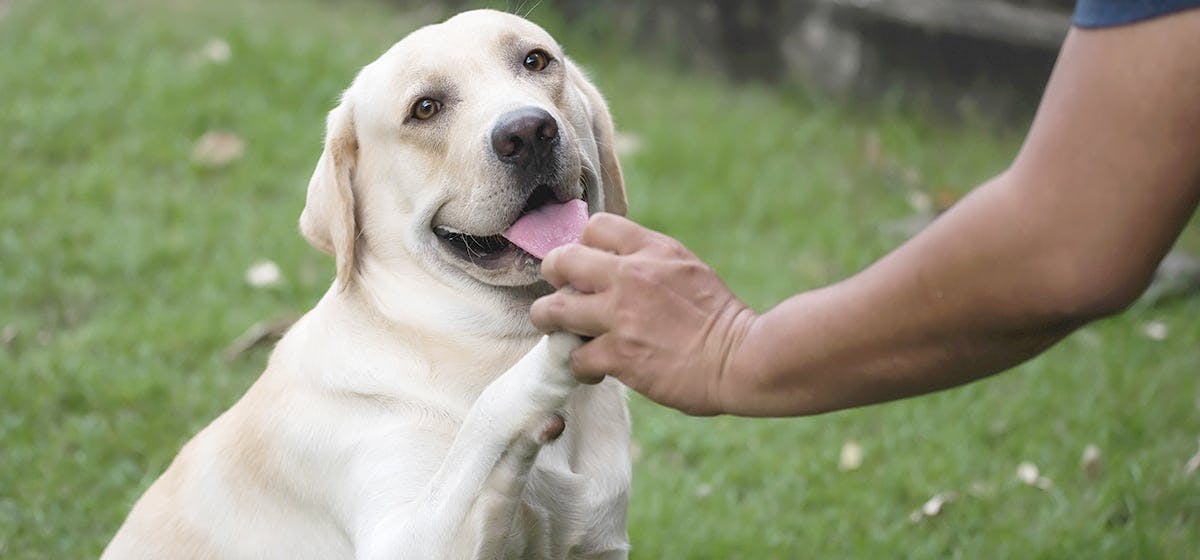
point(1156, 330)
point(933, 506)
point(1088, 337)
point(258, 333)
point(8, 335)
point(264, 274)
point(1027, 473)
point(1090, 462)
point(851, 457)
point(920, 202)
point(626, 143)
point(218, 148)
point(217, 51)
point(1177, 275)
point(1192, 464)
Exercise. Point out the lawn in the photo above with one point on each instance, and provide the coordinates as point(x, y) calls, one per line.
point(122, 264)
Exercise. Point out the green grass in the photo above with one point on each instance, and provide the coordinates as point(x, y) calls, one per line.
point(121, 268)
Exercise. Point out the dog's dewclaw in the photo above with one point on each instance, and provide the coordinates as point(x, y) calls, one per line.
point(541, 230)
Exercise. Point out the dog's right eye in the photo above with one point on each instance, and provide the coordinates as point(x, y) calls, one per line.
point(425, 108)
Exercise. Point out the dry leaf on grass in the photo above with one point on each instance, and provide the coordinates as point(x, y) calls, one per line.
point(264, 274)
point(1156, 330)
point(920, 202)
point(1028, 474)
point(626, 143)
point(1178, 275)
point(1090, 462)
point(218, 148)
point(1088, 337)
point(258, 333)
point(216, 50)
point(851, 457)
point(933, 506)
point(8, 335)
point(1192, 464)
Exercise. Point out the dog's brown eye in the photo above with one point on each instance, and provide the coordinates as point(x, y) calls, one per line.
point(537, 60)
point(425, 108)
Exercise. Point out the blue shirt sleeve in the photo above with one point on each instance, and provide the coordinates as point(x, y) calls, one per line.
point(1106, 13)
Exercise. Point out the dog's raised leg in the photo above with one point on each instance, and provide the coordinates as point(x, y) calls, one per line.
point(495, 447)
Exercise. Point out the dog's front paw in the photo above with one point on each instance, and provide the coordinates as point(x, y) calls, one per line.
point(559, 346)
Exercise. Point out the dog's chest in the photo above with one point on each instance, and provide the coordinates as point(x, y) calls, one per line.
point(552, 515)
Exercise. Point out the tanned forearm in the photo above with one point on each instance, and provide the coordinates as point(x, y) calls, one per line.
point(1072, 231)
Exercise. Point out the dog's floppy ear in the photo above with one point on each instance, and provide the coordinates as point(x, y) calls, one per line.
point(327, 221)
point(613, 183)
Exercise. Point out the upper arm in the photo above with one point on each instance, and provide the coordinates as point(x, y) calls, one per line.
point(1114, 152)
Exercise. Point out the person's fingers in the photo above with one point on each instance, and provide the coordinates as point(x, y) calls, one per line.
point(584, 268)
point(571, 311)
point(594, 360)
point(613, 233)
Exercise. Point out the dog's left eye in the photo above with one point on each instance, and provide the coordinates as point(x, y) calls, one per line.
point(537, 60)
point(425, 108)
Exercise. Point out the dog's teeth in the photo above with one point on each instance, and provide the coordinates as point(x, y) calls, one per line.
point(447, 231)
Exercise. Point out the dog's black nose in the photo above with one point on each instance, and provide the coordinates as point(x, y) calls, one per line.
point(525, 135)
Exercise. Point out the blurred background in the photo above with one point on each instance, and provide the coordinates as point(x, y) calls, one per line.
point(155, 156)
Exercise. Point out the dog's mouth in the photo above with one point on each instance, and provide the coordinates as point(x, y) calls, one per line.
point(474, 248)
point(544, 223)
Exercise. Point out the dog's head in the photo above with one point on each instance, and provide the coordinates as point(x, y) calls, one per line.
point(447, 140)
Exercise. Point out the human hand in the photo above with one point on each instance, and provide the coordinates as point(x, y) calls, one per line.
point(661, 320)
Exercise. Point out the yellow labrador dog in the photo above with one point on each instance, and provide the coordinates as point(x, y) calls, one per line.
point(415, 412)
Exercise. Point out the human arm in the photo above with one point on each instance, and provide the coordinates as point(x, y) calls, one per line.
point(1072, 231)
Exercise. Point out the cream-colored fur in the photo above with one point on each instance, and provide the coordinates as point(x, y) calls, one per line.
point(407, 415)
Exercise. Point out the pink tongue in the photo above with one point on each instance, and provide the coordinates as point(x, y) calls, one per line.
point(549, 226)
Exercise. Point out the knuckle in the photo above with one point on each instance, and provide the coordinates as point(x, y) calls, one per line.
point(626, 319)
point(667, 246)
point(637, 272)
point(545, 309)
point(601, 220)
point(570, 251)
point(550, 261)
point(629, 347)
point(694, 268)
point(555, 259)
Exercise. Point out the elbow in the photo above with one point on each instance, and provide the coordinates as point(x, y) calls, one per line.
point(1078, 291)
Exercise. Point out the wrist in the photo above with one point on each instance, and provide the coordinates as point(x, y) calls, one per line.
point(729, 391)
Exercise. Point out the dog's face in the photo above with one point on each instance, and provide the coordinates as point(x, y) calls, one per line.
point(446, 140)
